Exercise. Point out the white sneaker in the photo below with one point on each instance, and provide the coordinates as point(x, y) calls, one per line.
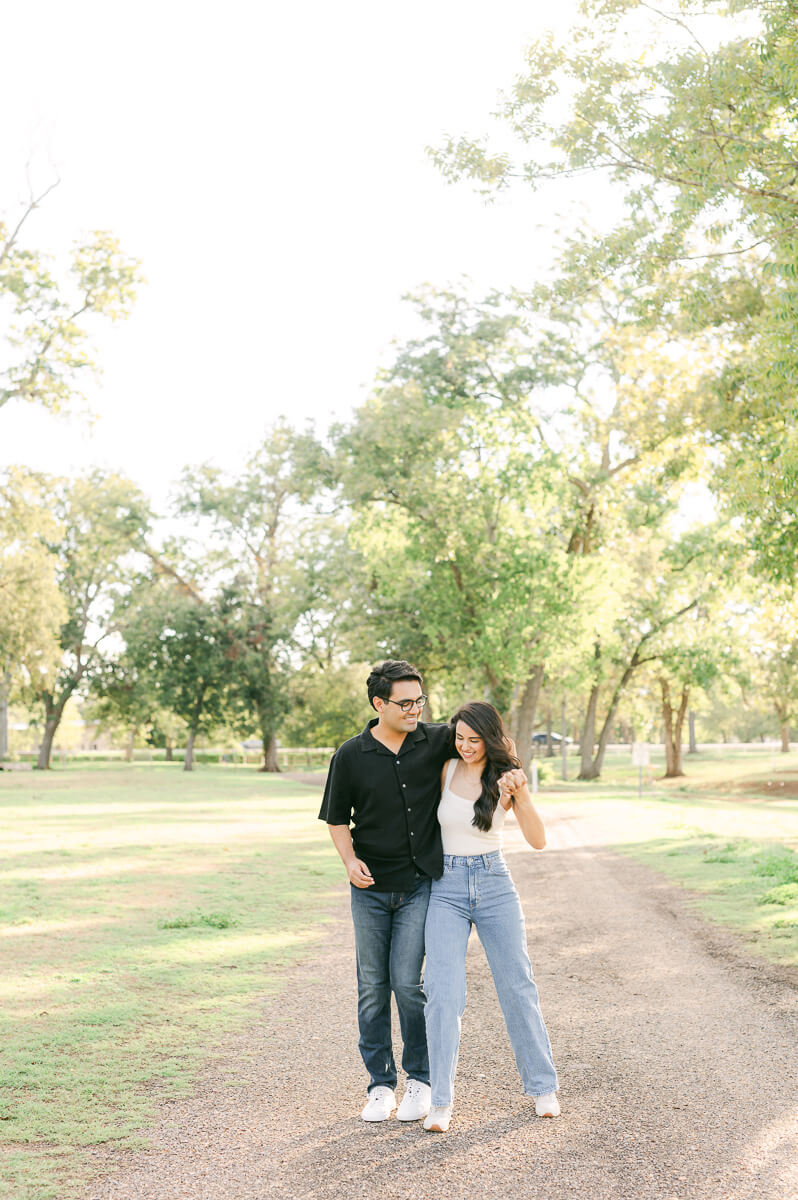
point(438, 1118)
point(381, 1104)
point(415, 1102)
point(548, 1105)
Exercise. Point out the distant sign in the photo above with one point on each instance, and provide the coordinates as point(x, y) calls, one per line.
point(641, 754)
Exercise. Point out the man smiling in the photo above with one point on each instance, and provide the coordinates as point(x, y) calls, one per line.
point(380, 804)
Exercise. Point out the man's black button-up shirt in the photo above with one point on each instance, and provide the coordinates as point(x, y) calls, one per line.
point(391, 801)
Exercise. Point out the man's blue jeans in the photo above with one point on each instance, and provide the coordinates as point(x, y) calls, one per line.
point(477, 890)
point(389, 941)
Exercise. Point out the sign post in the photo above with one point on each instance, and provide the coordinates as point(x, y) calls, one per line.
point(641, 757)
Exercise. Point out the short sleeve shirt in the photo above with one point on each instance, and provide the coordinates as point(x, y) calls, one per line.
point(390, 800)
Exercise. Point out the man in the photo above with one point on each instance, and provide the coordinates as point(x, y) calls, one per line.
point(380, 804)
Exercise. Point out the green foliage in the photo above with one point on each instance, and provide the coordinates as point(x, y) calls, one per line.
point(99, 518)
point(32, 608)
point(47, 333)
point(325, 706)
point(689, 117)
point(456, 497)
point(271, 564)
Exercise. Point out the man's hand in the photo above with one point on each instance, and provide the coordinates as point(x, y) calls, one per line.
point(359, 874)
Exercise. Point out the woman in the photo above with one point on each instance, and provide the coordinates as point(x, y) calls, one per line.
point(479, 786)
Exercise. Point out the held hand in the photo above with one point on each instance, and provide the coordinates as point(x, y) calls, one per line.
point(359, 874)
point(512, 781)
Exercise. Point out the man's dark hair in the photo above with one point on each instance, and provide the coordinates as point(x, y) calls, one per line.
point(383, 677)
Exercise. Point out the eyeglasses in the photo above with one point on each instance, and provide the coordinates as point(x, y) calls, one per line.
point(408, 705)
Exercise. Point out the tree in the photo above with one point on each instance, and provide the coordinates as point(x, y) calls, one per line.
point(457, 500)
point(255, 523)
point(772, 631)
point(689, 113)
point(663, 581)
point(100, 517)
point(696, 653)
point(179, 652)
point(47, 329)
point(32, 609)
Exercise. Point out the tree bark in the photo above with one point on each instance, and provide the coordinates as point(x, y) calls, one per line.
point(525, 716)
point(785, 737)
point(270, 762)
point(188, 761)
point(587, 768)
point(693, 745)
point(130, 743)
point(46, 748)
point(673, 719)
point(169, 751)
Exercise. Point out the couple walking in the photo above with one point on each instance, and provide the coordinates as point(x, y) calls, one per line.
point(416, 813)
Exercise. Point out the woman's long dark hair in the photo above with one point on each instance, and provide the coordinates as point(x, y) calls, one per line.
point(487, 724)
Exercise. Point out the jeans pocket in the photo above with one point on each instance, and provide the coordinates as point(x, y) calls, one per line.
point(498, 866)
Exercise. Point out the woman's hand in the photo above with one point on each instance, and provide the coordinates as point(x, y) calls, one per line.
point(512, 781)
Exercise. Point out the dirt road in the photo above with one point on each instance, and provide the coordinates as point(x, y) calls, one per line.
point(677, 1054)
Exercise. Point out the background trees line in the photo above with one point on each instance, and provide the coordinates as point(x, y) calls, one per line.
point(584, 492)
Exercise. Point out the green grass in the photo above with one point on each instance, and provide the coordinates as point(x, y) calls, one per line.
point(142, 913)
point(727, 832)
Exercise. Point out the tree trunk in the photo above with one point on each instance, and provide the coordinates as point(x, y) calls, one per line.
point(673, 720)
point(188, 761)
point(169, 751)
point(549, 741)
point(46, 748)
point(4, 686)
point(270, 762)
point(525, 716)
point(785, 737)
point(131, 741)
point(693, 745)
point(588, 739)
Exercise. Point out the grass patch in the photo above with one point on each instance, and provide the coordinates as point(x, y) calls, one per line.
point(143, 913)
point(212, 920)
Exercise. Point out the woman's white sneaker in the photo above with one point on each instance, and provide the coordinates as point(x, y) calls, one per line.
point(381, 1104)
point(548, 1105)
point(415, 1102)
point(438, 1118)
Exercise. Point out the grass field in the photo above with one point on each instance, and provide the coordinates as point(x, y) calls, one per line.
point(142, 913)
point(727, 831)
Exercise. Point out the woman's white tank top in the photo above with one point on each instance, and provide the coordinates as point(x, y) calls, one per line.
point(455, 815)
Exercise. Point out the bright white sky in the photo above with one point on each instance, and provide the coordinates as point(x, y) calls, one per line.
point(266, 162)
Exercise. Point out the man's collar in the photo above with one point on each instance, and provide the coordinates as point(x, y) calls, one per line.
point(369, 742)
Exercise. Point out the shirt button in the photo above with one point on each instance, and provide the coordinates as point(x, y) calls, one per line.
point(411, 832)
point(404, 785)
point(397, 762)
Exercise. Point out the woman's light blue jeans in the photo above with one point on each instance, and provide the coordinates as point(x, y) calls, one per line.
point(478, 890)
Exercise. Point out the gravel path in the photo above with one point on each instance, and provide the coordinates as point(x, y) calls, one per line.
point(677, 1054)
